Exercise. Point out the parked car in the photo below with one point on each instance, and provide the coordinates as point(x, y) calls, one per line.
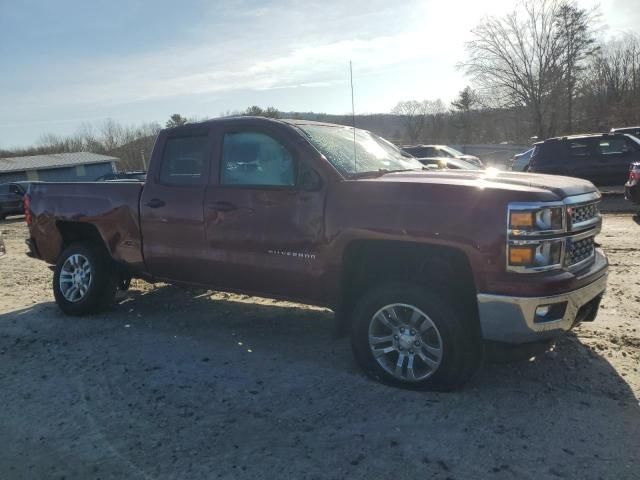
point(440, 151)
point(11, 195)
point(603, 159)
point(520, 161)
point(632, 187)
point(635, 131)
point(419, 267)
point(133, 176)
point(3, 249)
point(448, 164)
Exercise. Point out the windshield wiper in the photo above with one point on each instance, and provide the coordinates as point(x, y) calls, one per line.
point(381, 171)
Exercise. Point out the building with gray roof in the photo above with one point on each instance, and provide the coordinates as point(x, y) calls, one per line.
point(58, 167)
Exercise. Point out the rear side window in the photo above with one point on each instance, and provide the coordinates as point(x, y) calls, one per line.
point(579, 148)
point(183, 160)
point(428, 152)
point(421, 152)
point(253, 158)
point(412, 151)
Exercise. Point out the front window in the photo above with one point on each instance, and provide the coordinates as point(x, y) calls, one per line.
point(368, 153)
point(611, 146)
point(254, 158)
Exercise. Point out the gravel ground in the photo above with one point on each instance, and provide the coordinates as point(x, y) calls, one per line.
point(186, 383)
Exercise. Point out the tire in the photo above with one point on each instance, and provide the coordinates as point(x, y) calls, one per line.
point(439, 326)
point(124, 282)
point(100, 288)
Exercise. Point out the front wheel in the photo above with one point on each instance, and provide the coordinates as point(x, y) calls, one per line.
point(84, 280)
point(412, 337)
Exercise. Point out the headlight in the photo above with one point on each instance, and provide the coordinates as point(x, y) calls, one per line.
point(534, 256)
point(544, 236)
point(528, 249)
point(526, 219)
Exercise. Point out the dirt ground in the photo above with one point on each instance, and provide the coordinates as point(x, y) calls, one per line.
point(188, 384)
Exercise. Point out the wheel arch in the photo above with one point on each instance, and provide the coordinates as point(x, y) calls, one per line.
point(370, 262)
point(72, 232)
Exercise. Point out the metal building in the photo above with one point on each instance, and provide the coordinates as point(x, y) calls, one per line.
point(59, 167)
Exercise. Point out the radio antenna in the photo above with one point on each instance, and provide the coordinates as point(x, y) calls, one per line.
point(353, 120)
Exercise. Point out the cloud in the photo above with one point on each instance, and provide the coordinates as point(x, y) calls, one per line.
point(204, 70)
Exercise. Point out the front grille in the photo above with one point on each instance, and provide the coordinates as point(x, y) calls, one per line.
point(584, 213)
point(578, 250)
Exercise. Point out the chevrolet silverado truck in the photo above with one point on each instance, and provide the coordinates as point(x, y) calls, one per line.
point(420, 267)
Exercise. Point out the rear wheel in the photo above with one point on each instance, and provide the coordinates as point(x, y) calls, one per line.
point(84, 280)
point(409, 336)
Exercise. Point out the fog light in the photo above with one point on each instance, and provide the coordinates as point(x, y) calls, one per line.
point(550, 313)
point(543, 310)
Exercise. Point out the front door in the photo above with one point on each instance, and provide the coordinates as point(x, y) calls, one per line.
point(264, 232)
point(615, 154)
point(171, 207)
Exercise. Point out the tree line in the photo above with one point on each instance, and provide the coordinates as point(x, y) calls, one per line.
point(539, 71)
point(132, 144)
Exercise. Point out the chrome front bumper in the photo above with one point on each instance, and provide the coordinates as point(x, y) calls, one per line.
point(514, 319)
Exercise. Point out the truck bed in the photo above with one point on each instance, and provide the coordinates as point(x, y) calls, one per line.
point(109, 209)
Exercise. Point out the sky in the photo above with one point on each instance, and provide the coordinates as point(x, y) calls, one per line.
point(66, 63)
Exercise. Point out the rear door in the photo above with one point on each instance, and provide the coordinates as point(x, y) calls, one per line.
point(171, 206)
point(263, 230)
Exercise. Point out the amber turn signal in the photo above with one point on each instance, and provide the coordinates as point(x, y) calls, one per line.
point(521, 219)
point(521, 256)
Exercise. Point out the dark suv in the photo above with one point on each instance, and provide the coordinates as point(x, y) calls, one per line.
point(603, 159)
point(11, 195)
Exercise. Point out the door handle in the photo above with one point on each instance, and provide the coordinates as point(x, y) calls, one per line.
point(223, 206)
point(155, 203)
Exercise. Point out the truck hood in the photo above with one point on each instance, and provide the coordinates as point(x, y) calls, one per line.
point(494, 179)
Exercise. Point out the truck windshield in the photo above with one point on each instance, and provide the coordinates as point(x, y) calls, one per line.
point(372, 153)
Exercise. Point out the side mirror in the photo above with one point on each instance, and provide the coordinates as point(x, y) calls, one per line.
point(310, 181)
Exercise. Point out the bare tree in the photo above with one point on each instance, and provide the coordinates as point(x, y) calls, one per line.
point(515, 59)
point(414, 117)
point(575, 30)
point(611, 90)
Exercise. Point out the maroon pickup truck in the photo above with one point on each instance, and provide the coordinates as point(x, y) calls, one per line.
point(419, 266)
